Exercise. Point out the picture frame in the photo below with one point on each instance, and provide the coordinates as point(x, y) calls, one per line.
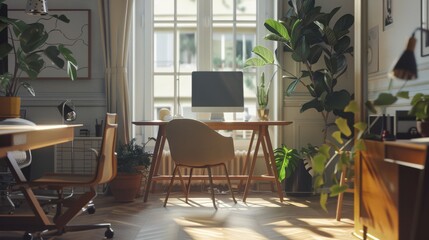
point(424, 24)
point(75, 35)
point(387, 14)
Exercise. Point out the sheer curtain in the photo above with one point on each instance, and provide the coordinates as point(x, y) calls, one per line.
point(115, 21)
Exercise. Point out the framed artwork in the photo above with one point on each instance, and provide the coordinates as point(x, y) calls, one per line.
point(425, 20)
point(75, 35)
point(387, 14)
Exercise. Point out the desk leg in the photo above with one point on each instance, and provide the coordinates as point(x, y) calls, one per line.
point(157, 154)
point(268, 163)
point(252, 166)
point(246, 164)
point(266, 135)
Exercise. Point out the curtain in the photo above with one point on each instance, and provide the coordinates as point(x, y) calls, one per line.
point(115, 21)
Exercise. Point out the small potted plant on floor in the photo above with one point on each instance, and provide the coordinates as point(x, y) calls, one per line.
point(420, 109)
point(133, 160)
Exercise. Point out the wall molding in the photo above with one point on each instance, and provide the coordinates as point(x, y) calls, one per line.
point(86, 99)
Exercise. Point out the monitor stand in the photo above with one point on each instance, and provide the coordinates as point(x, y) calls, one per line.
point(217, 117)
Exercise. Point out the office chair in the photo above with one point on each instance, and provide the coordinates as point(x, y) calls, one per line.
point(195, 145)
point(23, 159)
point(105, 172)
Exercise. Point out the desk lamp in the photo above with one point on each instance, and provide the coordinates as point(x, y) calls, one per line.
point(36, 7)
point(406, 67)
point(67, 110)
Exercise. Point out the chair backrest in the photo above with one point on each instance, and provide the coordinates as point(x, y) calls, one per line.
point(22, 158)
point(107, 163)
point(193, 143)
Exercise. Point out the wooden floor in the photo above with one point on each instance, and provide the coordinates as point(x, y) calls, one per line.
point(262, 217)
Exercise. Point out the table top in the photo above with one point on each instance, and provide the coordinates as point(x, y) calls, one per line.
point(218, 123)
point(13, 129)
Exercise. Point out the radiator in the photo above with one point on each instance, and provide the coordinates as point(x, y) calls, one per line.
point(166, 165)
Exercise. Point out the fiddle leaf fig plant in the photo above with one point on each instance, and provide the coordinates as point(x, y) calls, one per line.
point(30, 53)
point(320, 46)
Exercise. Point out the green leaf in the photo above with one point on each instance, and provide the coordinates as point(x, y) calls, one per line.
point(254, 62)
point(384, 99)
point(337, 136)
point(314, 103)
point(70, 60)
point(324, 149)
point(318, 181)
point(342, 45)
point(361, 126)
point(330, 36)
point(301, 51)
point(277, 28)
point(343, 126)
point(371, 107)
point(274, 37)
point(319, 161)
point(52, 53)
point(323, 200)
point(337, 189)
point(352, 107)
point(338, 100)
point(315, 53)
point(29, 88)
point(403, 94)
point(264, 53)
point(359, 145)
point(343, 24)
point(61, 17)
point(291, 87)
point(33, 37)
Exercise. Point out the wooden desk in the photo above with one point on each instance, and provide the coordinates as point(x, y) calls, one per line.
point(13, 138)
point(259, 128)
point(393, 196)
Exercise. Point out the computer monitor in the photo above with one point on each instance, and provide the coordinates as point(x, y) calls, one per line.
point(217, 92)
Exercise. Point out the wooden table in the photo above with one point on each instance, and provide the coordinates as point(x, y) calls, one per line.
point(258, 128)
point(21, 138)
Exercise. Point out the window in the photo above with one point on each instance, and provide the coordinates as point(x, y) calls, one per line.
point(176, 37)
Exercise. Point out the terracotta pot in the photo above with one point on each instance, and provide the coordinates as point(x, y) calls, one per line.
point(10, 107)
point(423, 128)
point(125, 186)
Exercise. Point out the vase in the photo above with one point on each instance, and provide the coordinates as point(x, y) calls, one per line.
point(263, 114)
point(10, 107)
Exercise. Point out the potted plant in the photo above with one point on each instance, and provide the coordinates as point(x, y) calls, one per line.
point(262, 94)
point(28, 47)
point(420, 109)
point(290, 166)
point(132, 160)
point(320, 46)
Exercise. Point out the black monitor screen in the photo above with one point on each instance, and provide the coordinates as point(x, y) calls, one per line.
point(217, 91)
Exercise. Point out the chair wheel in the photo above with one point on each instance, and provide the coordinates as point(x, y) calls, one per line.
point(27, 236)
point(109, 233)
point(91, 209)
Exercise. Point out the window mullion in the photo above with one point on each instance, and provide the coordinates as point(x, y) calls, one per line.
point(204, 35)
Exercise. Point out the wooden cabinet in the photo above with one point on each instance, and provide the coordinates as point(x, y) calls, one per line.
point(391, 180)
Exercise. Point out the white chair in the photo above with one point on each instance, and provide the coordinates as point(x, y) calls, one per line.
point(195, 145)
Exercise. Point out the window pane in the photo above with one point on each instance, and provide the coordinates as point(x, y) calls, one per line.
point(187, 52)
point(223, 10)
point(244, 46)
point(164, 49)
point(186, 10)
point(164, 86)
point(163, 10)
point(223, 50)
point(246, 10)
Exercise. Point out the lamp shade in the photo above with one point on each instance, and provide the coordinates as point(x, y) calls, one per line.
point(406, 67)
point(36, 7)
point(67, 111)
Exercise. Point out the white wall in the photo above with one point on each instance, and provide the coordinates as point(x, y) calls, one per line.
point(392, 42)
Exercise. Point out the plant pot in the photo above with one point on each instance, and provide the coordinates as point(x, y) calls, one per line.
point(263, 113)
point(423, 128)
point(10, 107)
point(300, 183)
point(125, 186)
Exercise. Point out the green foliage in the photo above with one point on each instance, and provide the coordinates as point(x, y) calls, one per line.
point(420, 107)
point(29, 46)
point(131, 155)
point(287, 161)
point(262, 91)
